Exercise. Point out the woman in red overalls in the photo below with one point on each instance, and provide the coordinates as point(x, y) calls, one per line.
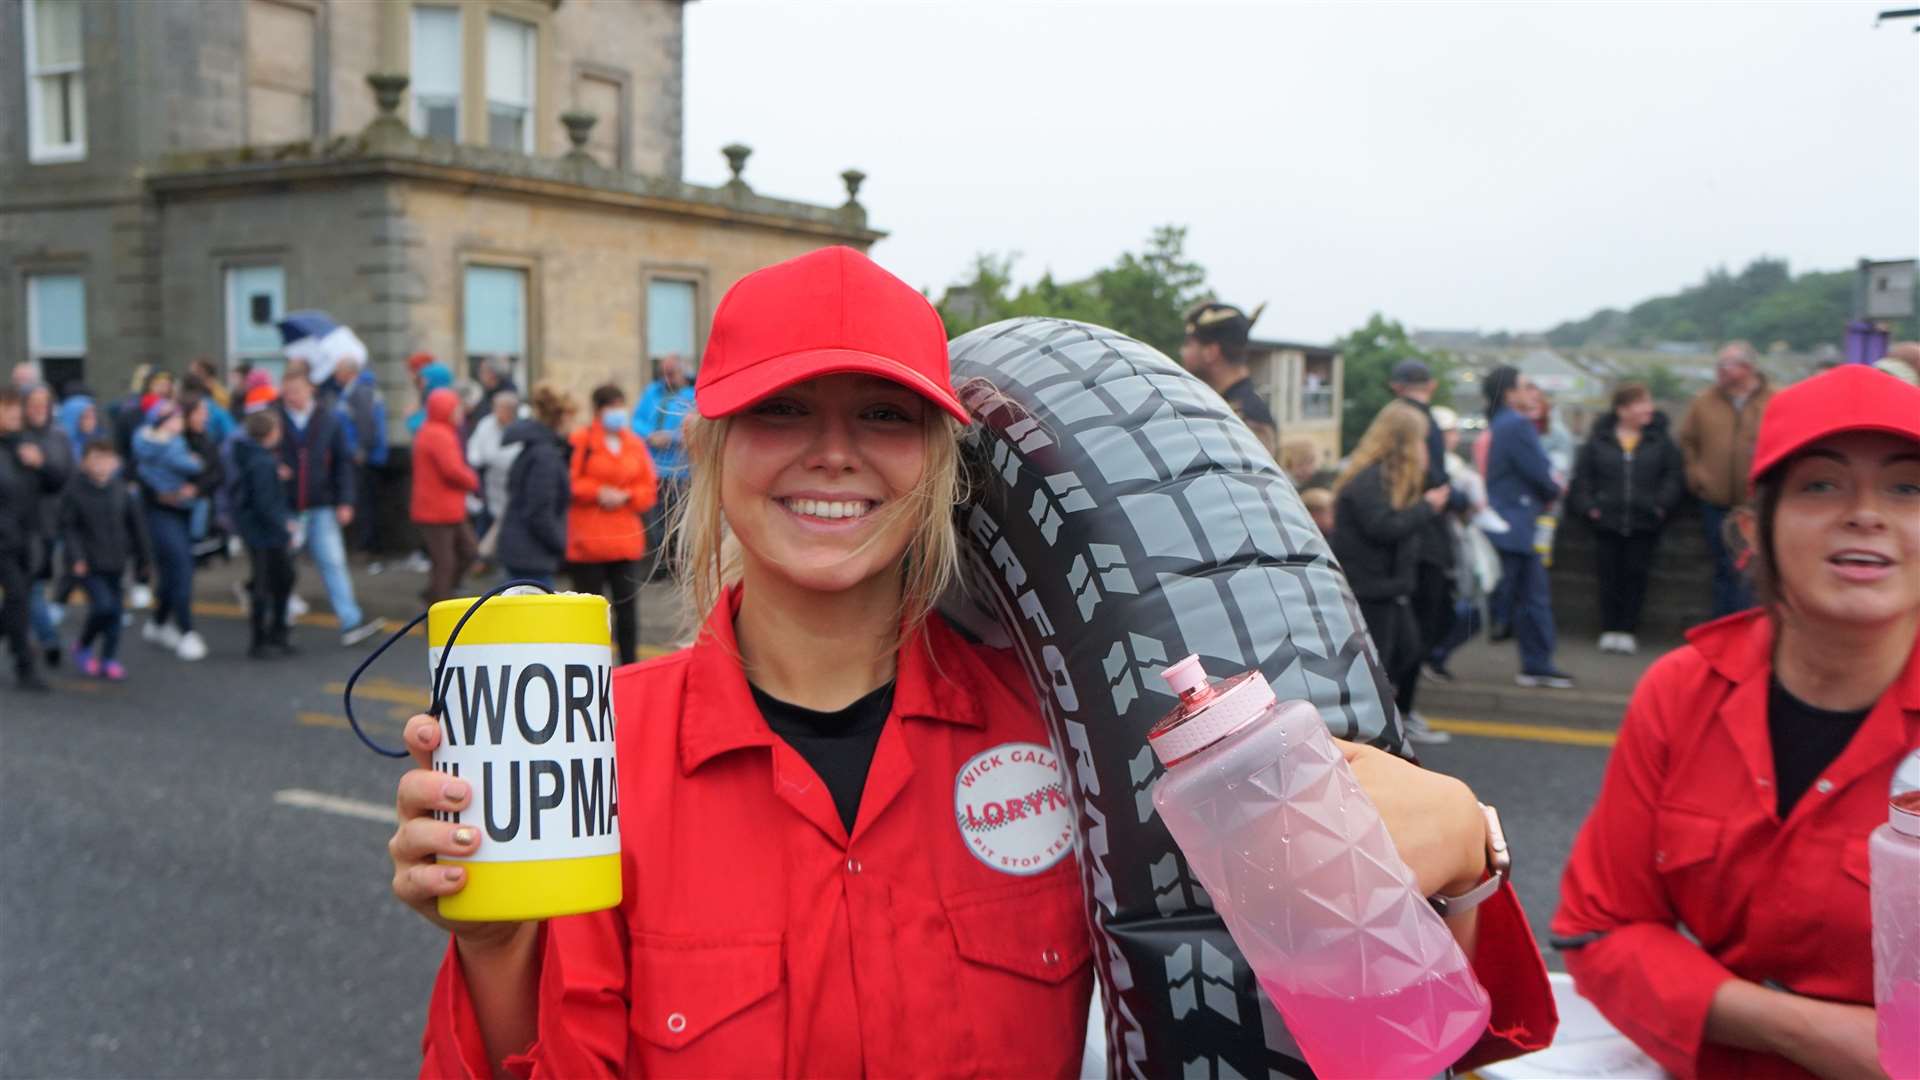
point(845, 843)
point(1715, 906)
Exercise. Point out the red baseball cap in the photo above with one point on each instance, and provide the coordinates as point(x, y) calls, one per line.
point(1851, 397)
point(827, 312)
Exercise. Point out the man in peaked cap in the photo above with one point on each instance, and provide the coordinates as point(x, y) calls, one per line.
point(1216, 351)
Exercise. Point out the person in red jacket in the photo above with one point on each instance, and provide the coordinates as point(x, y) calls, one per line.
point(613, 486)
point(802, 895)
point(1715, 906)
point(441, 482)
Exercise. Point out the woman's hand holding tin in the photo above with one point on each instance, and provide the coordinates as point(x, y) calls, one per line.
point(420, 839)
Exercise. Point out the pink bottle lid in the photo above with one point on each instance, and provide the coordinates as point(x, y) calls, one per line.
point(1903, 813)
point(1206, 713)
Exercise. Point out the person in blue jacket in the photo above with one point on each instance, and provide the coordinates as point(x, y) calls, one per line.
point(434, 376)
point(356, 392)
point(664, 406)
point(265, 521)
point(1520, 486)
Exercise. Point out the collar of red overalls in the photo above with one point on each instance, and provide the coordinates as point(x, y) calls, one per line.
point(1740, 648)
point(719, 713)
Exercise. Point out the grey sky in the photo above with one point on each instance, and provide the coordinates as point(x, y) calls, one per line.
point(1497, 165)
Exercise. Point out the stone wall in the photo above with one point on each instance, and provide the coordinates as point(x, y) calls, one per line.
point(386, 254)
point(637, 46)
point(587, 268)
point(354, 50)
point(108, 245)
point(1679, 595)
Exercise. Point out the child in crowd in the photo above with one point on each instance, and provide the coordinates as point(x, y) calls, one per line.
point(168, 469)
point(100, 536)
point(266, 523)
point(1319, 503)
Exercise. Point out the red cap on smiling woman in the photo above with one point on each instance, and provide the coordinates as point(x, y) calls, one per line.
point(1852, 397)
point(828, 312)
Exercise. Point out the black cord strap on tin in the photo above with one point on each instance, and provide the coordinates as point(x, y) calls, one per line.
point(439, 703)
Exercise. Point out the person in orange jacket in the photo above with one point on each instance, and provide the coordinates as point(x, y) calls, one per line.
point(613, 486)
point(1715, 906)
point(441, 482)
point(803, 894)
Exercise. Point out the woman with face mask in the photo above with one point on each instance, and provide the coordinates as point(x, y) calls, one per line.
point(613, 485)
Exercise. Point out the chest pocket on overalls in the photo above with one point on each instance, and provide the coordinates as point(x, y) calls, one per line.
point(1686, 844)
point(1024, 952)
point(708, 1008)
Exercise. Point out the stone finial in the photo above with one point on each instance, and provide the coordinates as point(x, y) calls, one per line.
point(387, 131)
point(387, 88)
point(853, 212)
point(737, 154)
point(579, 130)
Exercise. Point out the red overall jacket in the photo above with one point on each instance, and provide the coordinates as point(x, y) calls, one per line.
point(945, 937)
point(757, 939)
point(1686, 834)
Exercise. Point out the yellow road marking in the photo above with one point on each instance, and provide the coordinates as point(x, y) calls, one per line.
point(393, 693)
point(321, 719)
point(1490, 729)
point(214, 609)
point(334, 804)
point(83, 686)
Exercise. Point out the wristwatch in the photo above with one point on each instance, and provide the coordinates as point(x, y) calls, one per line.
point(1499, 868)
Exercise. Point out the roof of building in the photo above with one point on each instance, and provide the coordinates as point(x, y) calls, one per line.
point(1548, 362)
point(1273, 345)
point(388, 148)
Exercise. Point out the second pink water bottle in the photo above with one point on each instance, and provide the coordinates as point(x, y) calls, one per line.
point(1300, 867)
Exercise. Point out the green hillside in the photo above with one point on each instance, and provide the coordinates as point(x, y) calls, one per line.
point(1764, 303)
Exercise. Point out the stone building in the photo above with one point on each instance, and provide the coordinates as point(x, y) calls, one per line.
point(465, 178)
point(1302, 386)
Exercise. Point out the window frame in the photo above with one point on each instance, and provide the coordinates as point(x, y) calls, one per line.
point(1323, 402)
point(35, 353)
point(415, 109)
point(681, 273)
point(526, 366)
point(39, 151)
point(530, 67)
point(319, 95)
point(622, 122)
point(273, 360)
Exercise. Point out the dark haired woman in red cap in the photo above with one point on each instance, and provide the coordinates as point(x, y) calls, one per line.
point(845, 842)
point(1715, 905)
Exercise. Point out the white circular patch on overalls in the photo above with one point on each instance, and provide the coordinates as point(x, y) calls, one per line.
point(1011, 806)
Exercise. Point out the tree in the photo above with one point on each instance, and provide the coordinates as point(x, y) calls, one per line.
point(1763, 303)
point(1369, 355)
point(1147, 295)
point(1142, 295)
point(1665, 384)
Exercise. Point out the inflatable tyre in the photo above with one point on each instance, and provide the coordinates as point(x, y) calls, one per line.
point(1123, 517)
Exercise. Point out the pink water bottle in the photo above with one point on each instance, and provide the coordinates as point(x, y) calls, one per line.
point(1894, 854)
point(1300, 867)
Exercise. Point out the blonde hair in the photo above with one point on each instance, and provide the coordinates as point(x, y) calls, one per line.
point(1299, 452)
point(1393, 441)
point(552, 404)
point(710, 556)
